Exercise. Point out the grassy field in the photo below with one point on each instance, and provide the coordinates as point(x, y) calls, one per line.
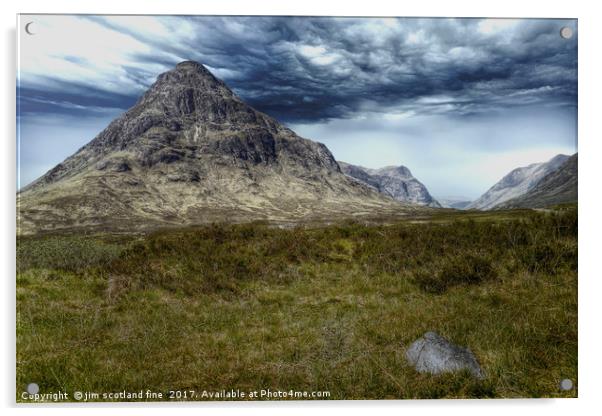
point(329, 308)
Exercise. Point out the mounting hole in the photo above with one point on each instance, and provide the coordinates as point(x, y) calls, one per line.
point(29, 29)
point(566, 32)
point(566, 384)
point(33, 388)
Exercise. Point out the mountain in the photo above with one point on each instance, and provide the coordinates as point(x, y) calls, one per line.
point(557, 187)
point(516, 183)
point(455, 202)
point(394, 181)
point(190, 151)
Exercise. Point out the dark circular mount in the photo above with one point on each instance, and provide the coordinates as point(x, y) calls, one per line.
point(28, 29)
point(566, 32)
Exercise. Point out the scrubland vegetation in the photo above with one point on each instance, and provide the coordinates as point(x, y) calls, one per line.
point(328, 308)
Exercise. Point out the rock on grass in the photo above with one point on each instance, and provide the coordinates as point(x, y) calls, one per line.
point(435, 355)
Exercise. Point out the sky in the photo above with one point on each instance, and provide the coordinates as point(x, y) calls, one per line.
point(460, 102)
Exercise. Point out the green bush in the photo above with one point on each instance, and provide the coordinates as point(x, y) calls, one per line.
point(549, 257)
point(72, 254)
point(469, 269)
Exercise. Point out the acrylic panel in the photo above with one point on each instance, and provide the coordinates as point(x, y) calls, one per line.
point(215, 208)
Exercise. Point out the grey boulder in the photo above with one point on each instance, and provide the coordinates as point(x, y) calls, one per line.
point(435, 355)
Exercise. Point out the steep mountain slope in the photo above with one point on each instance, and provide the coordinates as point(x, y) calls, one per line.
point(516, 183)
point(190, 151)
point(557, 187)
point(394, 181)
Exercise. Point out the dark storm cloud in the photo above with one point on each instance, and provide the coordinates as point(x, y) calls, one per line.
point(72, 100)
point(313, 69)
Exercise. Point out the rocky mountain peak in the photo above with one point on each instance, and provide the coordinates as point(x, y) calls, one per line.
point(190, 88)
point(192, 66)
point(187, 110)
point(190, 74)
point(394, 171)
point(396, 182)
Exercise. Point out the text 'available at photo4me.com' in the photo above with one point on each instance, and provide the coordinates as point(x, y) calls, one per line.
point(175, 395)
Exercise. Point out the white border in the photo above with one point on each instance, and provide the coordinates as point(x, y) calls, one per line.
point(590, 288)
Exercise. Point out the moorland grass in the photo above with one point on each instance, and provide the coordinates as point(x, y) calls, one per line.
point(329, 308)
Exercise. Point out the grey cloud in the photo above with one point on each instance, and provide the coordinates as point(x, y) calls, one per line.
point(315, 69)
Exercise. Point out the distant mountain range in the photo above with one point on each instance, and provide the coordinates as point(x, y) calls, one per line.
point(533, 186)
point(394, 181)
point(455, 202)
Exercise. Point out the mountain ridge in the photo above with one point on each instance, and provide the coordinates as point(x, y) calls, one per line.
point(516, 183)
point(394, 181)
point(557, 187)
